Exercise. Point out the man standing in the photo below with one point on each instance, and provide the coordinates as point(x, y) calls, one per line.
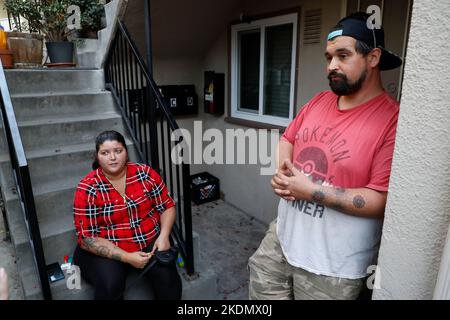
point(333, 175)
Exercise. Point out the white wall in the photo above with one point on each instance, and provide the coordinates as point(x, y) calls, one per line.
point(418, 207)
point(243, 186)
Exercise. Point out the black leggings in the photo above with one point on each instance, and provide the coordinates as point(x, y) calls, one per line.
point(109, 276)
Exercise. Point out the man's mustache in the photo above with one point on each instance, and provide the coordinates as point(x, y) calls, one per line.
point(337, 75)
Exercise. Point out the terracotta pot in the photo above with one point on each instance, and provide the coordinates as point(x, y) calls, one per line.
point(27, 49)
point(7, 58)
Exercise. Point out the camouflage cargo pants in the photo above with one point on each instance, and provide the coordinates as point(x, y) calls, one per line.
point(272, 278)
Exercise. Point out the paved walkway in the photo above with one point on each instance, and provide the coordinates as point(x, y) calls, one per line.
point(228, 237)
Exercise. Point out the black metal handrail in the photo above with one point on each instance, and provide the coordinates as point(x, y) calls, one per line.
point(23, 183)
point(145, 112)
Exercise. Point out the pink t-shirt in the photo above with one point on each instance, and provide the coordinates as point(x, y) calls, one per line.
point(342, 148)
point(346, 148)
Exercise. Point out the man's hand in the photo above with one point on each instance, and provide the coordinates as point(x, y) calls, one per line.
point(291, 184)
point(277, 182)
point(360, 202)
point(138, 259)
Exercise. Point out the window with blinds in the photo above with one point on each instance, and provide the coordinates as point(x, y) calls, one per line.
point(262, 66)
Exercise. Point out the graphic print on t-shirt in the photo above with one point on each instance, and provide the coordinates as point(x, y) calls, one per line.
point(313, 162)
point(319, 150)
point(339, 149)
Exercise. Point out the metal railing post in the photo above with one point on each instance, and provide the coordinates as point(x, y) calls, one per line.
point(154, 158)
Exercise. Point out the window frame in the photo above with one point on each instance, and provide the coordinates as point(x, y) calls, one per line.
point(262, 24)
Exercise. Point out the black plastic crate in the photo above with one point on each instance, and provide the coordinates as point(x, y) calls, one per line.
point(204, 188)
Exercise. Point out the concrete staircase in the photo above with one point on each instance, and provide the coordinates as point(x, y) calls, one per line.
point(59, 113)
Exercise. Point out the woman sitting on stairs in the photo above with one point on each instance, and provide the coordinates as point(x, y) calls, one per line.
point(122, 214)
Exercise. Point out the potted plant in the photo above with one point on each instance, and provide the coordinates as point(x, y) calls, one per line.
point(24, 42)
point(54, 26)
point(50, 18)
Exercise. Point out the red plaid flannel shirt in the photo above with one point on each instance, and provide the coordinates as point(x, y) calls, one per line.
point(100, 211)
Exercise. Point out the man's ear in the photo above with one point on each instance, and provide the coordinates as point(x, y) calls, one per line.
point(374, 57)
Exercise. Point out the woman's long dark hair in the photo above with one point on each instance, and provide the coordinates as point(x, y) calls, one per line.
point(109, 135)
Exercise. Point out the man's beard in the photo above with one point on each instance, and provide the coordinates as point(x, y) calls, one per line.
point(343, 87)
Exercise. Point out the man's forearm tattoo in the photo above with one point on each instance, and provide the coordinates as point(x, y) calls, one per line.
point(359, 202)
point(318, 196)
point(338, 204)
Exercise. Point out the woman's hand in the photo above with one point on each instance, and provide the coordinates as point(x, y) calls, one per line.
point(138, 259)
point(161, 244)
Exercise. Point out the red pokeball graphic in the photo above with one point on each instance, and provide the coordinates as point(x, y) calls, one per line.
point(313, 161)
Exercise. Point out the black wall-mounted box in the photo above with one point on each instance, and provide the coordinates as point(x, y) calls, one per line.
point(181, 99)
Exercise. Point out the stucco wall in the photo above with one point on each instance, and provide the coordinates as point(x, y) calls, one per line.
point(418, 207)
point(243, 186)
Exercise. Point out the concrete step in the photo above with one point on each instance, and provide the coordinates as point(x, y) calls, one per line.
point(69, 161)
point(56, 246)
point(203, 287)
point(55, 177)
point(56, 224)
point(87, 59)
point(86, 45)
point(58, 234)
point(28, 107)
point(41, 81)
point(57, 132)
point(46, 193)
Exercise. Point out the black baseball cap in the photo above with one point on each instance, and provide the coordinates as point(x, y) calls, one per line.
point(355, 26)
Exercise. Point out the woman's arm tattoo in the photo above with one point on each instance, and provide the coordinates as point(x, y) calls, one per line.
point(89, 243)
point(104, 251)
point(116, 256)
